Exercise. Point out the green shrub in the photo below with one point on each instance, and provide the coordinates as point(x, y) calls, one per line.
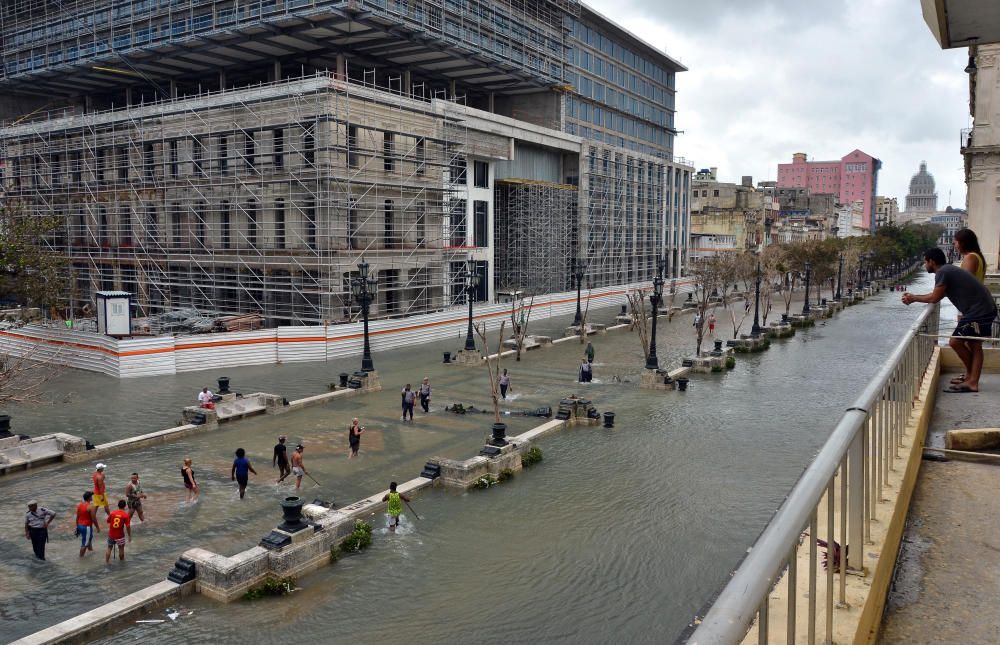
point(360, 538)
point(730, 362)
point(531, 457)
point(271, 586)
point(334, 553)
point(485, 481)
point(505, 474)
point(716, 368)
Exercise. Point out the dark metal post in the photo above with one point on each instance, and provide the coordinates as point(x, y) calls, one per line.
point(578, 276)
point(652, 363)
point(755, 330)
point(363, 289)
point(805, 307)
point(470, 284)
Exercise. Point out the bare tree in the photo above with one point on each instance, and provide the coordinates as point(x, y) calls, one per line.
point(640, 320)
point(706, 274)
point(22, 377)
point(492, 365)
point(519, 317)
point(583, 319)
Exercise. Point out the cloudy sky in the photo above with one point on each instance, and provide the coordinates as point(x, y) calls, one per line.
point(771, 77)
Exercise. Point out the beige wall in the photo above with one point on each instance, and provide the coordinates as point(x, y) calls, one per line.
point(982, 156)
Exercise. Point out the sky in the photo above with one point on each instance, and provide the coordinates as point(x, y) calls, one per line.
point(768, 78)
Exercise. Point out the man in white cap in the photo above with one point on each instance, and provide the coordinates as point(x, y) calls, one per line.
point(100, 490)
point(36, 527)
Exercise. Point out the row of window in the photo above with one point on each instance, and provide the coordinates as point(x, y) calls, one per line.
point(599, 92)
point(634, 83)
point(613, 119)
point(611, 139)
point(600, 42)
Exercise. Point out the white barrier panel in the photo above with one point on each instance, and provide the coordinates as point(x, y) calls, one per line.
point(137, 357)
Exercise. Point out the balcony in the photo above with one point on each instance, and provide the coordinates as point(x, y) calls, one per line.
point(965, 138)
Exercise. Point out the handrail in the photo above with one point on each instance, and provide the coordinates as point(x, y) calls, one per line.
point(733, 611)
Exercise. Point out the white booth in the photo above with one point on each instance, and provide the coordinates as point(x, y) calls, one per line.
point(114, 313)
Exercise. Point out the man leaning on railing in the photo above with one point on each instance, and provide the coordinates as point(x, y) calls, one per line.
point(974, 301)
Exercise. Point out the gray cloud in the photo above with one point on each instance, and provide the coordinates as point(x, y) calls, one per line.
point(771, 77)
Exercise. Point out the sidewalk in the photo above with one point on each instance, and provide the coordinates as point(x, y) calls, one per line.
point(947, 577)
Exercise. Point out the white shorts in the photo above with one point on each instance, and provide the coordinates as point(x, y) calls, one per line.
point(297, 471)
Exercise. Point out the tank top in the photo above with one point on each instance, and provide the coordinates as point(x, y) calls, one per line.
point(187, 480)
point(980, 271)
point(395, 506)
point(83, 514)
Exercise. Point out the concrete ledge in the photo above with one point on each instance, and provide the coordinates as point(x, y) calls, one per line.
point(991, 359)
point(97, 622)
point(972, 439)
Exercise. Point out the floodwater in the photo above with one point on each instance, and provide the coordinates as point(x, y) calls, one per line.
point(618, 535)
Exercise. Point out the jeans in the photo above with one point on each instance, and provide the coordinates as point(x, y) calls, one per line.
point(408, 407)
point(425, 403)
point(38, 539)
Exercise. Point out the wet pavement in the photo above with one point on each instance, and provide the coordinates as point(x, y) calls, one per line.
point(947, 578)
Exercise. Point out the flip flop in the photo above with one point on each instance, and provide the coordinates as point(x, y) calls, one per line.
point(961, 390)
point(958, 380)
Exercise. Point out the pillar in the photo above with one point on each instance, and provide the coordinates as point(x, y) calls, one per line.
point(492, 107)
point(276, 72)
point(222, 79)
point(407, 82)
point(452, 90)
point(173, 89)
point(341, 74)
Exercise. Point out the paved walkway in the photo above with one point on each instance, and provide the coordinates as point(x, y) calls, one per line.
point(947, 581)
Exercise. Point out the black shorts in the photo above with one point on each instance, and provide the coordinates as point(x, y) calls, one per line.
point(242, 481)
point(982, 328)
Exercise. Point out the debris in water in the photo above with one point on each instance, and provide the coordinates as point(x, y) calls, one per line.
point(150, 621)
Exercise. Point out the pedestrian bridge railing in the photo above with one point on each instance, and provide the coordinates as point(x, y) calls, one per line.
point(863, 449)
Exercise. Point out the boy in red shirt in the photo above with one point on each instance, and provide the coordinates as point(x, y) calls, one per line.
point(119, 523)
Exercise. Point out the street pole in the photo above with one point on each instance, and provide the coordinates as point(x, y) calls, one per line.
point(470, 341)
point(755, 330)
point(652, 363)
point(578, 275)
point(805, 307)
point(364, 288)
point(840, 271)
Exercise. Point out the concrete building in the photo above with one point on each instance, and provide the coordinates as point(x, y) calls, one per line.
point(886, 211)
point(728, 217)
point(850, 220)
point(246, 157)
point(851, 178)
point(922, 199)
point(952, 220)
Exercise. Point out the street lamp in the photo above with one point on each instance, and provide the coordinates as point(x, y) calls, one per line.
point(840, 272)
point(578, 274)
point(755, 330)
point(805, 307)
point(364, 288)
point(654, 299)
point(471, 282)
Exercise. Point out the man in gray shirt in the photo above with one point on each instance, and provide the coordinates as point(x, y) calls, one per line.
point(973, 300)
point(36, 527)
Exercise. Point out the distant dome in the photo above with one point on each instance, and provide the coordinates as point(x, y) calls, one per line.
point(921, 198)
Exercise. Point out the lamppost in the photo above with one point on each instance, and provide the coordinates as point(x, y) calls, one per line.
point(755, 330)
point(578, 276)
point(654, 299)
point(805, 307)
point(364, 288)
point(840, 272)
point(471, 282)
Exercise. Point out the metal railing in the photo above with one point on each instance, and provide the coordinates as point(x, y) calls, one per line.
point(863, 449)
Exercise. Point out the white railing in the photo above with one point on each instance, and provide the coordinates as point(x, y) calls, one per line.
point(863, 449)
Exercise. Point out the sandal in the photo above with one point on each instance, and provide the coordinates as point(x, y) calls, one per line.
point(958, 380)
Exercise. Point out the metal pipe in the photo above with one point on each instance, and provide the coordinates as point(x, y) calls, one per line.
point(829, 559)
point(843, 534)
point(762, 627)
point(793, 593)
point(811, 639)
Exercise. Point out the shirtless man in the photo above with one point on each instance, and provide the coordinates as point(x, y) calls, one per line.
point(298, 468)
point(100, 490)
point(134, 497)
point(280, 459)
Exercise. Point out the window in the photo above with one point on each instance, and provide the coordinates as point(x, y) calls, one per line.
point(457, 170)
point(223, 155)
point(173, 158)
point(352, 224)
point(125, 225)
point(279, 223)
point(389, 226)
point(458, 219)
point(250, 152)
point(388, 162)
point(148, 158)
point(352, 146)
point(421, 224)
point(177, 219)
point(226, 226)
point(715, 193)
point(481, 174)
point(152, 224)
point(121, 162)
point(421, 156)
point(197, 155)
point(309, 147)
point(480, 211)
point(252, 223)
point(278, 147)
point(202, 233)
point(310, 216)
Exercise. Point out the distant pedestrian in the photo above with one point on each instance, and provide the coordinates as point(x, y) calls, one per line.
point(240, 472)
point(408, 399)
point(119, 524)
point(280, 459)
point(589, 352)
point(711, 324)
point(586, 371)
point(187, 472)
point(967, 244)
point(36, 527)
point(100, 489)
point(697, 320)
point(425, 395)
point(134, 495)
point(354, 437)
point(395, 506)
point(504, 384)
point(206, 398)
point(86, 523)
point(973, 301)
point(298, 465)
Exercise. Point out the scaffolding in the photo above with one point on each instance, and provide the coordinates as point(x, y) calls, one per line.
point(536, 228)
point(261, 199)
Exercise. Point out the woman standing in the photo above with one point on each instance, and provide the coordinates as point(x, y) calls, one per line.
point(967, 244)
point(354, 437)
point(189, 481)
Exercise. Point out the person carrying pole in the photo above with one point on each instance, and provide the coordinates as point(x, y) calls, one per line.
point(394, 508)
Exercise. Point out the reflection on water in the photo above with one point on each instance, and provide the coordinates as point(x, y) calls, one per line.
point(618, 535)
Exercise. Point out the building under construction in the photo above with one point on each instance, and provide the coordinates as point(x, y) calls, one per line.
point(245, 156)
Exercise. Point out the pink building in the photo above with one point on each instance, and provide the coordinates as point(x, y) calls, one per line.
point(854, 177)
